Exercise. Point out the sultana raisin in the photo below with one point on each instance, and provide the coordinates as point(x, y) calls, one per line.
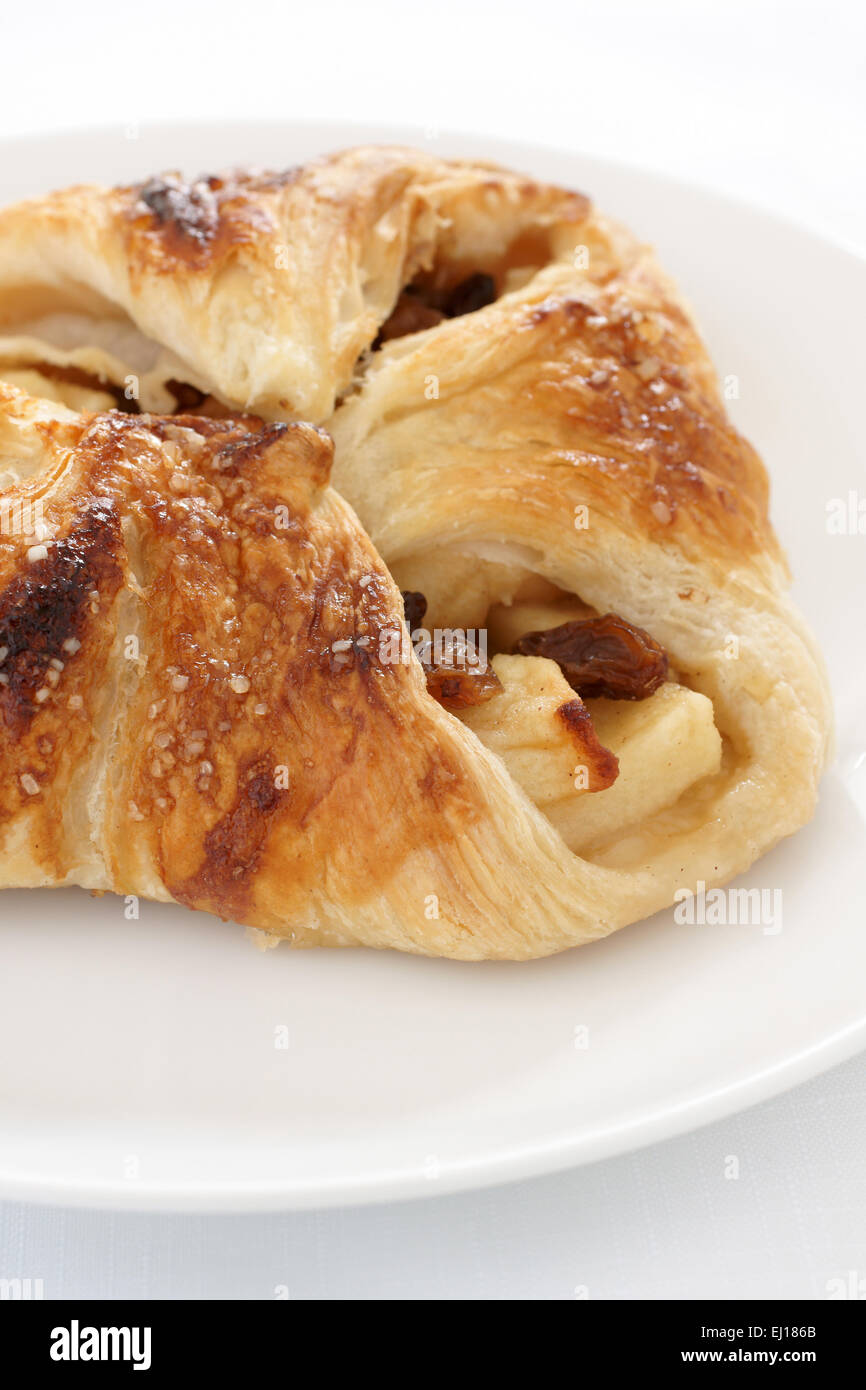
point(456, 675)
point(420, 306)
point(605, 656)
point(414, 608)
point(456, 689)
point(472, 294)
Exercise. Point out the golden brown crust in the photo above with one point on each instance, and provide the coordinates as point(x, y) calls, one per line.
point(174, 226)
point(641, 412)
point(224, 725)
point(580, 415)
point(267, 287)
point(242, 592)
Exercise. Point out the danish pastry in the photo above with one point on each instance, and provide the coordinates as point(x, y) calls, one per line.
point(507, 671)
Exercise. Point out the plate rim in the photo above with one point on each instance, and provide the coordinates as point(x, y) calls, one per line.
point(395, 132)
point(484, 1170)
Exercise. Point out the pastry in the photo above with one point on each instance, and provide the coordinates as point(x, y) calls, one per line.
point(530, 445)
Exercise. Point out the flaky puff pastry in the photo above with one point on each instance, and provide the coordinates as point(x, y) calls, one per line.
point(574, 430)
point(195, 705)
point(261, 289)
point(569, 431)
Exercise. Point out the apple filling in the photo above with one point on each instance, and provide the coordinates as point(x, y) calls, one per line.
point(584, 712)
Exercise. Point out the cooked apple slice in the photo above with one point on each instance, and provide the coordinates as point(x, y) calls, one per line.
point(663, 744)
point(542, 732)
point(558, 748)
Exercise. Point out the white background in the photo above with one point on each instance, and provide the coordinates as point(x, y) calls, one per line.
point(763, 100)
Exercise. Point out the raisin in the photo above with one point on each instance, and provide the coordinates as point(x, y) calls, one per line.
point(604, 656)
point(411, 314)
point(473, 293)
point(420, 306)
point(456, 677)
point(414, 608)
point(188, 397)
point(458, 689)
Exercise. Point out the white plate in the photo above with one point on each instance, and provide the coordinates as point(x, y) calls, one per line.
point(139, 1065)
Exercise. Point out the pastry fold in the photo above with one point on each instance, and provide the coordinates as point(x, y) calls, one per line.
point(195, 706)
point(262, 289)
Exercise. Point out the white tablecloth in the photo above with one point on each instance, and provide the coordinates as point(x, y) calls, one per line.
point(763, 100)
